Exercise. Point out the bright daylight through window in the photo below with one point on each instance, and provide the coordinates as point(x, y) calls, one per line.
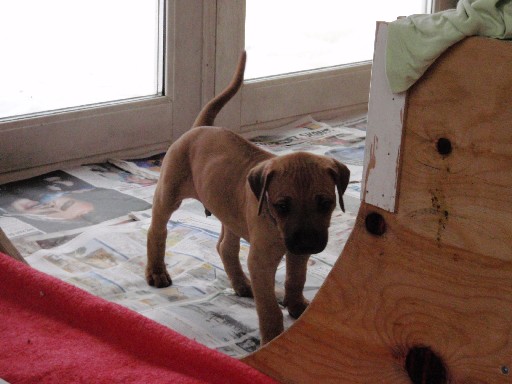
point(295, 35)
point(59, 54)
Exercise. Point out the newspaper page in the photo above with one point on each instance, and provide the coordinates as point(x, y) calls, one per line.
point(62, 203)
point(147, 168)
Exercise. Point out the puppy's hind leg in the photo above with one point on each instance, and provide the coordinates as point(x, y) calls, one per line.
point(163, 206)
point(228, 247)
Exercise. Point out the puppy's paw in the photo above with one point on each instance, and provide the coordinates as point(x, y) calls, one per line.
point(243, 290)
point(269, 333)
point(158, 280)
point(296, 308)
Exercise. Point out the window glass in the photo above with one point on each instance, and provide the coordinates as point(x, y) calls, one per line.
point(284, 36)
point(67, 53)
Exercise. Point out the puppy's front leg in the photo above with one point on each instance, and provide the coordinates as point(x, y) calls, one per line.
point(229, 249)
point(262, 268)
point(296, 271)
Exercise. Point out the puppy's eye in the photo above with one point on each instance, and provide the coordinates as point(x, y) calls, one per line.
point(324, 204)
point(282, 207)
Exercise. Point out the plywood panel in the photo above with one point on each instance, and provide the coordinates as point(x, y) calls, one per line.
point(462, 198)
point(389, 294)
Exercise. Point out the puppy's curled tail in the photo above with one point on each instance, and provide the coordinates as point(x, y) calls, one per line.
point(209, 112)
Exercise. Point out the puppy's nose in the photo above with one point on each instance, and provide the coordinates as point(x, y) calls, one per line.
point(306, 242)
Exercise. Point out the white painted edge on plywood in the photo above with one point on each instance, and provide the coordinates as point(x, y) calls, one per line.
point(384, 133)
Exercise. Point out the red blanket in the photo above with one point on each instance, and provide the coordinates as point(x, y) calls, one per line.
point(51, 331)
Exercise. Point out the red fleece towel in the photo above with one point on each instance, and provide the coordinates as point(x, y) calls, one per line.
point(51, 331)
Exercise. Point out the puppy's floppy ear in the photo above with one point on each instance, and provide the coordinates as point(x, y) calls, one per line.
point(341, 176)
point(259, 178)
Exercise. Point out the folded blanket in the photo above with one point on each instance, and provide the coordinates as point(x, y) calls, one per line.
point(416, 41)
point(52, 332)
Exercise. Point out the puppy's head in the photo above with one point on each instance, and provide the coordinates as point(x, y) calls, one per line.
point(299, 190)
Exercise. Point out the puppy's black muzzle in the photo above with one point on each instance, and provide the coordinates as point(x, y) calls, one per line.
point(306, 242)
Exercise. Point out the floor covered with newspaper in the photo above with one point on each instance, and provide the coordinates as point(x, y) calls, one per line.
point(88, 225)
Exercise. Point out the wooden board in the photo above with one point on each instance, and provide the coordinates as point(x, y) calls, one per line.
point(462, 199)
point(429, 299)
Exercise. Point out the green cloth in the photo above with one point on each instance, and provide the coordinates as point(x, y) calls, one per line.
point(415, 42)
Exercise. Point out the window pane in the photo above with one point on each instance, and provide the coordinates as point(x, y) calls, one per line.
point(284, 36)
point(68, 53)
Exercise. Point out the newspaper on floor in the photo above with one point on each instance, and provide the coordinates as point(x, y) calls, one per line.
point(63, 203)
point(109, 262)
point(148, 168)
point(88, 226)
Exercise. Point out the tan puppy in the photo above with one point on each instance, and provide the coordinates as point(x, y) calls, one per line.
point(280, 205)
